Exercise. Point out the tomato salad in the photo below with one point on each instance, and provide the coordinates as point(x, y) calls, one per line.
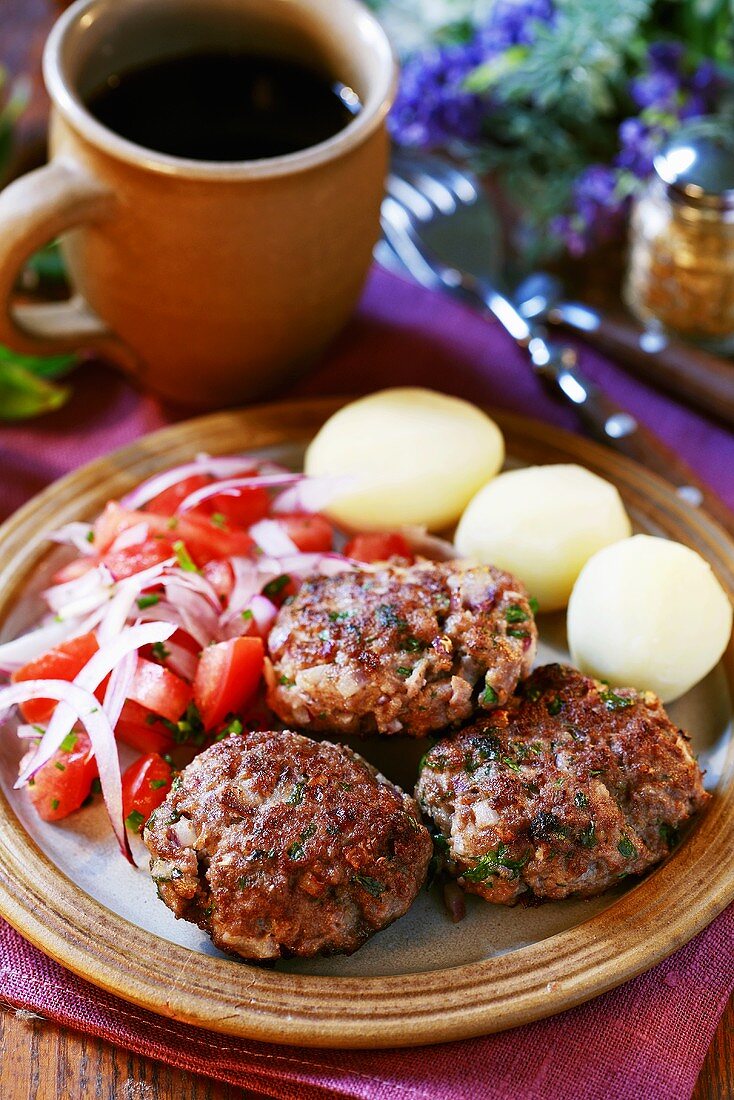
point(155, 632)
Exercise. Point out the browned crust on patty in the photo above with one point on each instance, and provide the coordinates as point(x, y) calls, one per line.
point(399, 650)
point(278, 845)
point(568, 789)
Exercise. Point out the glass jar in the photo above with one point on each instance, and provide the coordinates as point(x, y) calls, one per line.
point(680, 274)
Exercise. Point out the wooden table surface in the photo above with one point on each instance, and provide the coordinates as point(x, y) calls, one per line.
point(38, 1059)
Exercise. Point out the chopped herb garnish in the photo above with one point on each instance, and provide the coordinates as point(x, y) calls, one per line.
point(387, 616)
point(175, 785)
point(69, 742)
point(512, 764)
point(626, 848)
point(371, 885)
point(580, 800)
point(404, 672)
point(183, 557)
point(31, 782)
point(147, 601)
point(156, 784)
point(308, 832)
point(554, 705)
point(90, 536)
point(516, 614)
point(285, 681)
point(514, 633)
point(54, 803)
point(587, 839)
point(435, 761)
point(135, 821)
point(61, 767)
point(243, 883)
point(488, 696)
point(296, 851)
point(337, 616)
point(247, 614)
point(262, 853)
point(276, 586)
point(489, 864)
point(612, 701)
point(296, 795)
point(413, 645)
point(533, 605)
point(218, 519)
point(159, 651)
point(669, 834)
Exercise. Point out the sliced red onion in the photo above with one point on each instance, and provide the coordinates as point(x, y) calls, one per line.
point(429, 546)
point(118, 611)
point(306, 564)
point(81, 595)
point(83, 707)
point(455, 902)
point(28, 733)
point(119, 686)
point(196, 615)
point(78, 535)
point(235, 486)
point(194, 582)
point(104, 661)
point(131, 536)
point(272, 539)
point(264, 612)
point(181, 661)
point(312, 494)
point(223, 466)
point(247, 583)
point(15, 654)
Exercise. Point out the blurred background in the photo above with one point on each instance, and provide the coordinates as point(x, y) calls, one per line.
point(560, 105)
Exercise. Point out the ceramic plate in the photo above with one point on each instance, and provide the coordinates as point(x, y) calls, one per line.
point(423, 979)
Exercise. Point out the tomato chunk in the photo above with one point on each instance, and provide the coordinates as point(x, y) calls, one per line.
point(379, 546)
point(227, 678)
point(167, 502)
point(63, 783)
point(158, 689)
point(140, 729)
point(247, 507)
point(63, 662)
point(134, 559)
point(203, 539)
point(311, 533)
point(144, 786)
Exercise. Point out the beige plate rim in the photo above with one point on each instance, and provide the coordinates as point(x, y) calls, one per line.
point(641, 928)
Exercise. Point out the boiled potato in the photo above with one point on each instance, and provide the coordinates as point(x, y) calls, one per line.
point(650, 614)
point(542, 523)
point(416, 456)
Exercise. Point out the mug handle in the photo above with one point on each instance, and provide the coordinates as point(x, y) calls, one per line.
point(33, 211)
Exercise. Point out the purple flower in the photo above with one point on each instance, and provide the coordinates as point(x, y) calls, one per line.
point(666, 55)
point(433, 107)
point(656, 89)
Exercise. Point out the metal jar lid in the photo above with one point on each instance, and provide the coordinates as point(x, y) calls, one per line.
point(697, 167)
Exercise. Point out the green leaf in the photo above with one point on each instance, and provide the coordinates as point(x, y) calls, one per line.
point(489, 74)
point(23, 394)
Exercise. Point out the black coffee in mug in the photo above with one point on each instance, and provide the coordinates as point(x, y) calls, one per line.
point(224, 106)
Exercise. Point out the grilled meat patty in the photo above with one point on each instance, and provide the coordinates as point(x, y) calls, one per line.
point(277, 845)
point(399, 649)
point(567, 789)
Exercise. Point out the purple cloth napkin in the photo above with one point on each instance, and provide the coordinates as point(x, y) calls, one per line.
point(648, 1038)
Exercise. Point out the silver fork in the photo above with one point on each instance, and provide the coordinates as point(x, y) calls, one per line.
point(424, 196)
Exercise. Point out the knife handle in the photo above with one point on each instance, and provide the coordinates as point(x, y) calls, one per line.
point(612, 425)
point(697, 376)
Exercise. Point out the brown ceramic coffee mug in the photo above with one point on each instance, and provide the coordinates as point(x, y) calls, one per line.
point(210, 281)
